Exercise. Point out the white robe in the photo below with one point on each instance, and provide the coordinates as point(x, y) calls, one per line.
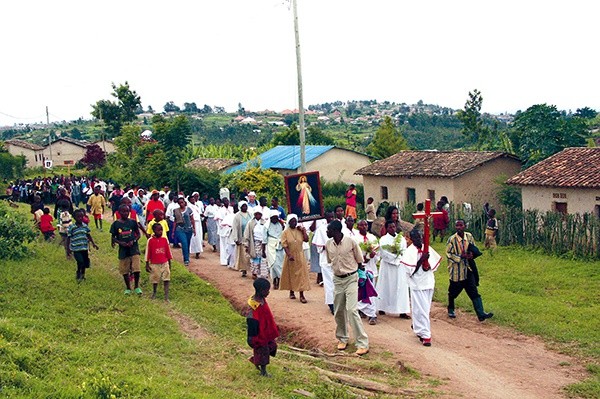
point(319, 240)
point(224, 220)
point(196, 241)
point(422, 284)
point(392, 283)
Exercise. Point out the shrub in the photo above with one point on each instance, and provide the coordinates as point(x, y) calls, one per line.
point(265, 182)
point(15, 233)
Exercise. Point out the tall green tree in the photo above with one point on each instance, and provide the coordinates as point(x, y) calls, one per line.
point(173, 135)
point(388, 140)
point(288, 136)
point(542, 130)
point(315, 136)
point(115, 114)
point(473, 127)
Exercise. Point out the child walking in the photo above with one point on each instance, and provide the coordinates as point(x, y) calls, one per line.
point(158, 260)
point(64, 221)
point(126, 233)
point(262, 330)
point(419, 264)
point(46, 226)
point(78, 239)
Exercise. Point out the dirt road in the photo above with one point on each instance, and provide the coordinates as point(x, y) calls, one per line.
point(472, 359)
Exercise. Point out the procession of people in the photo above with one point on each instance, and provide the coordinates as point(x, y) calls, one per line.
point(363, 275)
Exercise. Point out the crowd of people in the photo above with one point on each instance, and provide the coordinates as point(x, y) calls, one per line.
point(364, 273)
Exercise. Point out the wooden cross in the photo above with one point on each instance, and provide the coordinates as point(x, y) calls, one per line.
point(426, 216)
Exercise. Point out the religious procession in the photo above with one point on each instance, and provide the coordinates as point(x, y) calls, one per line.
point(367, 268)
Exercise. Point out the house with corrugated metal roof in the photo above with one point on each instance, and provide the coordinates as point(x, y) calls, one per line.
point(333, 163)
point(566, 182)
point(461, 176)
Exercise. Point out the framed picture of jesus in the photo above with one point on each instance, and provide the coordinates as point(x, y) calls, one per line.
point(304, 197)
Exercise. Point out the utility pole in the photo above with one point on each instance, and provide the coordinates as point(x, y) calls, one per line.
point(50, 134)
point(300, 96)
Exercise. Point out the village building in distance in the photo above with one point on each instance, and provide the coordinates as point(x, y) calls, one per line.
point(461, 176)
point(213, 164)
point(332, 163)
point(34, 154)
point(566, 182)
point(64, 151)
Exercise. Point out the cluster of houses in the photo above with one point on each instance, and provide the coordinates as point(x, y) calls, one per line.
point(567, 182)
point(63, 151)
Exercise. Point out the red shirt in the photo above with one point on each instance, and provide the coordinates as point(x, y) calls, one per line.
point(158, 250)
point(441, 222)
point(151, 206)
point(46, 223)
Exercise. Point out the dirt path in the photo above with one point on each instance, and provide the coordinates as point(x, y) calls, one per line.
point(474, 360)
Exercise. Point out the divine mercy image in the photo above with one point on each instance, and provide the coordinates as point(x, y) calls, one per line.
point(304, 195)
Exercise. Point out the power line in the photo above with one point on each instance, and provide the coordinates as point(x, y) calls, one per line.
point(17, 117)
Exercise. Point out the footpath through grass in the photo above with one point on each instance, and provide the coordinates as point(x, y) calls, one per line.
point(60, 339)
point(554, 298)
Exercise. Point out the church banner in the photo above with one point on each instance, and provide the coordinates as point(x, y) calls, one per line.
point(304, 197)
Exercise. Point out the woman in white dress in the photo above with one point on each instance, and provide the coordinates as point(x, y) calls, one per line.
point(197, 210)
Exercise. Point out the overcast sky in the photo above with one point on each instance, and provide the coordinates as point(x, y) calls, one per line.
point(65, 54)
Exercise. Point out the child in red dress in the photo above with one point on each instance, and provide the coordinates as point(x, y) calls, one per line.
point(262, 330)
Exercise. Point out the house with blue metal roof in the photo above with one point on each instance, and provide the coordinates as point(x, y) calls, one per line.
point(333, 163)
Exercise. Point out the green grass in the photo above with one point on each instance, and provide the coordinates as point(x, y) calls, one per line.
point(60, 339)
point(554, 298)
point(557, 299)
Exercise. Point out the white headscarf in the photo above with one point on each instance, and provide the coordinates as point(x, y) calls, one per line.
point(289, 217)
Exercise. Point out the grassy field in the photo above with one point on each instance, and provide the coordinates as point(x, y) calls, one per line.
point(556, 299)
point(60, 339)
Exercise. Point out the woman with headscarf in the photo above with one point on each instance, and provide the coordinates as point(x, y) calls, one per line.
point(210, 212)
point(272, 248)
point(294, 275)
point(196, 241)
point(240, 221)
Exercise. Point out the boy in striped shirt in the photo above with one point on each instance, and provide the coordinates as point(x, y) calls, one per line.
point(78, 239)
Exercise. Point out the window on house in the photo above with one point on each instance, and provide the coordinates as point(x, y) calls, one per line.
point(431, 196)
point(560, 207)
point(411, 195)
point(597, 211)
point(384, 192)
point(36, 158)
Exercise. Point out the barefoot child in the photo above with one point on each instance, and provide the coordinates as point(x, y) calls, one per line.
point(78, 239)
point(262, 330)
point(158, 260)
